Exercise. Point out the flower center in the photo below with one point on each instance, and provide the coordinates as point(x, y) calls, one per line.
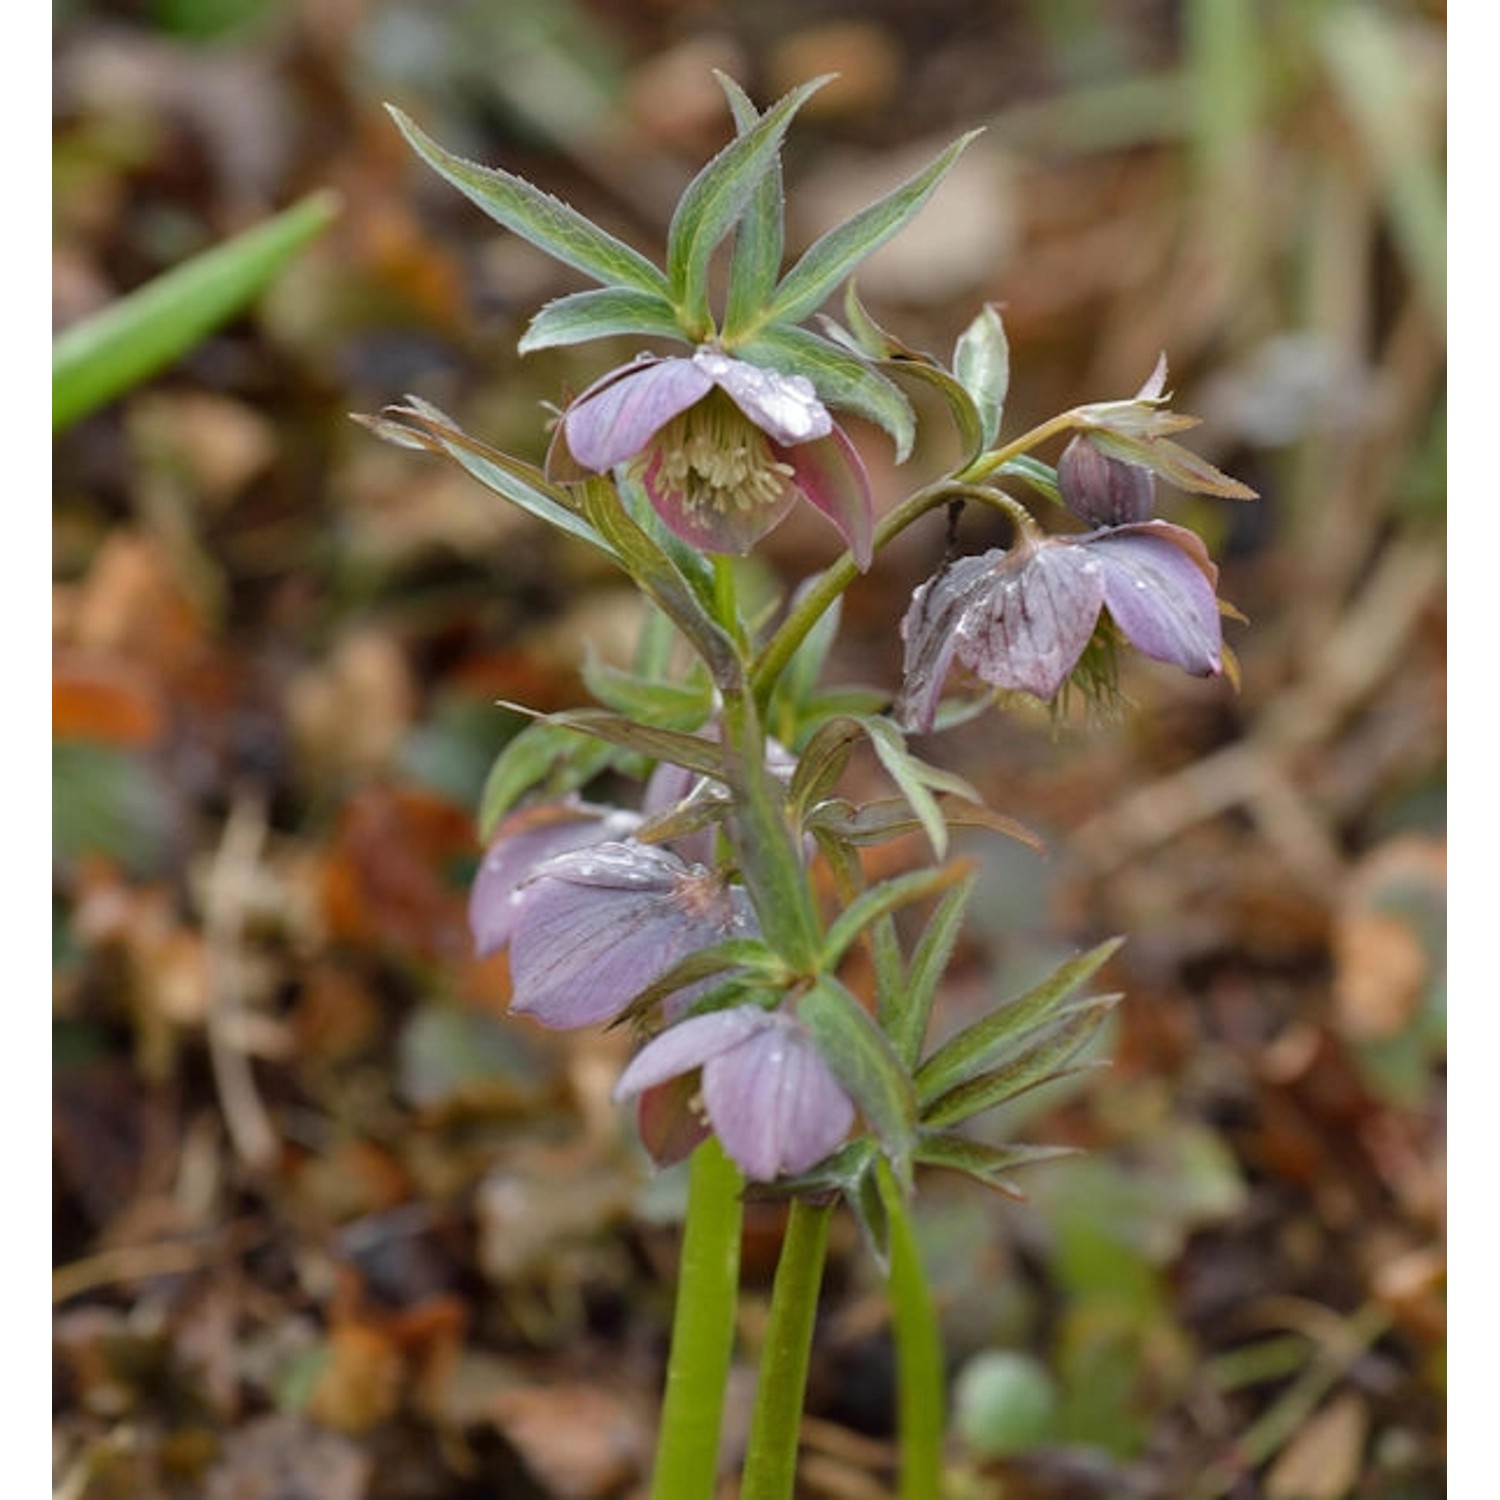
point(713, 457)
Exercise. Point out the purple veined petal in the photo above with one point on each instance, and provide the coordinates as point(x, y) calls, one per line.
point(832, 477)
point(728, 528)
point(1101, 490)
point(619, 415)
point(688, 1045)
point(592, 929)
point(523, 841)
point(774, 1103)
point(1157, 594)
point(785, 407)
point(930, 630)
point(1027, 626)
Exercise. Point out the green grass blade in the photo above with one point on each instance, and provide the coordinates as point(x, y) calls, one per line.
point(108, 354)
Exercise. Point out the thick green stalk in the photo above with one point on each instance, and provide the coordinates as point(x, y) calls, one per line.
point(920, 1388)
point(687, 1452)
point(771, 1460)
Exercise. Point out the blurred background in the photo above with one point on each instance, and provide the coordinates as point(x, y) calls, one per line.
point(326, 1221)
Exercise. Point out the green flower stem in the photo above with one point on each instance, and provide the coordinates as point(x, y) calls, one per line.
point(771, 1460)
point(687, 1453)
point(964, 485)
point(920, 1387)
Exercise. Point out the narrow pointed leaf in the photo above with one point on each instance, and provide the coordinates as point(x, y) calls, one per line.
point(1040, 476)
point(538, 217)
point(106, 355)
point(1174, 463)
point(978, 1045)
point(1034, 1064)
point(689, 750)
point(753, 961)
point(961, 405)
point(714, 200)
point(987, 1164)
point(913, 778)
point(840, 378)
point(760, 235)
point(880, 900)
point(422, 426)
point(652, 700)
point(828, 261)
point(862, 1060)
point(981, 360)
point(602, 312)
point(822, 762)
point(889, 818)
point(907, 1024)
point(884, 942)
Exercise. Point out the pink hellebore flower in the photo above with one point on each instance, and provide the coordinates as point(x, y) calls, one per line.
point(771, 1099)
point(1021, 618)
point(722, 447)
point(592, 928)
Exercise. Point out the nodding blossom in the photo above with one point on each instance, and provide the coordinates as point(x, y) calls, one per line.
point(1020, 619)
point(769, 1096)
point(722, 448)
point(592, 928)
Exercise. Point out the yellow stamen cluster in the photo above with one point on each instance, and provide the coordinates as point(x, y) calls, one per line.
point(714, 457)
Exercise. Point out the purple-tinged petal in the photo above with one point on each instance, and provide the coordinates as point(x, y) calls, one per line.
point(688, 1045)
point(930, 630)
point(594, 928)
point(728, 527)
point(618, 416)
point(522, 842)
point(785, 407)
point(832, 477)
point(1026, 627)
point(774, 1103)
point(1158, 596)
point(1101, 490)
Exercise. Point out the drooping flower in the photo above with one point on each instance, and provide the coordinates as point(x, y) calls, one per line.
point(525, 840)
point(593, 928)
point(1021, 618)
point(722, 447)
point(768, 1094)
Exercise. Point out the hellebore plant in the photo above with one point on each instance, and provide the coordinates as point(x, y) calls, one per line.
point(702, 917)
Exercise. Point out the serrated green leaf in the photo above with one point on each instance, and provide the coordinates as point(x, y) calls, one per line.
point(422, 426)
point(601, 312)
point(821, 763)
point(906, 1025)
point(760, 235)
point(691, 751)
point(541, 756)
point(978, 1045)
point(987, 1164)
point(981, 360)
point(832, 257)
point(840, 378)
point(888, 818)
point(1036, 1062)
point(1174, 463)
point(714, 200)
point(913, 778)
point(103, 356)
point(882, 899)
point(651, 700)
point(961, 405)
point(861, 1059)
point(538, 217)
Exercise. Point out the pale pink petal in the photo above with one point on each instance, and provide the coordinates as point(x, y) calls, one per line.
point(1158, 596)
point(785, 407)
point(831, 475)
point(619, 415)
point(688, 1045)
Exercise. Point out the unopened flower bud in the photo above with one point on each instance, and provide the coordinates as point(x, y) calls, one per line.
point(1101, 490)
